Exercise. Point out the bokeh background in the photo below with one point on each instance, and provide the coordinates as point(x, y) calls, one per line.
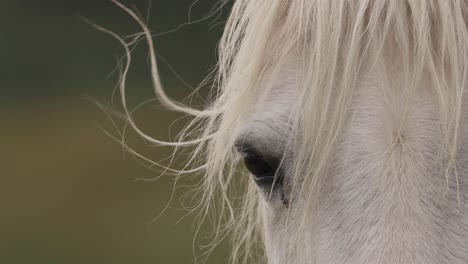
point(68, 191)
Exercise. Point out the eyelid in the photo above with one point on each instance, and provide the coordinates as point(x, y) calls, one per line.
point(242, 146)
point(247, 149)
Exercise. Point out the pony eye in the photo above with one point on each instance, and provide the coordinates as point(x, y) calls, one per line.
point(264, 170)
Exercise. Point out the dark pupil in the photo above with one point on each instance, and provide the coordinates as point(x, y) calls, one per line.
point(263, 169)
point(257, 166)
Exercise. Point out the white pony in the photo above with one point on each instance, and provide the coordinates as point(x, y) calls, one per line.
point(351, 120)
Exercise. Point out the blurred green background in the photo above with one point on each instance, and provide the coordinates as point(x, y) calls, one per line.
point(68, 192)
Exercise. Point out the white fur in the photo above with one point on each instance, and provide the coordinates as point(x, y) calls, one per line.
point(363, 102)
point(370, 210)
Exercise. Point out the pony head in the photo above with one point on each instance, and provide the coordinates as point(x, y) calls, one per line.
point(347, 116)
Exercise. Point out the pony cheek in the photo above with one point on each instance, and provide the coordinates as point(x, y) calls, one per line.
point(274, 218)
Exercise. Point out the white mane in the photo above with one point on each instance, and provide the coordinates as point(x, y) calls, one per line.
point(358, 96)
